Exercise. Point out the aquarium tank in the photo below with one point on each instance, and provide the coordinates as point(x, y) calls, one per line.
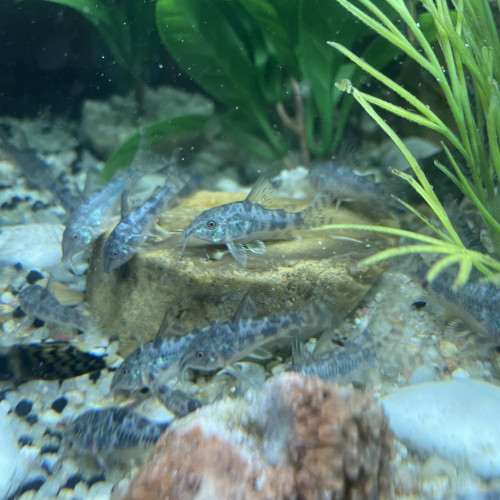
point(249, 249)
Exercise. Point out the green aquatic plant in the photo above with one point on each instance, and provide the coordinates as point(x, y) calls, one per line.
point(267, 65)
point(467, 71)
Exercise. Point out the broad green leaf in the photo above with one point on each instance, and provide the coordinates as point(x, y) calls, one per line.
point(172, 127)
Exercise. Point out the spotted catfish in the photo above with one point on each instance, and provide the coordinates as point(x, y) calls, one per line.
point(223, 343)
point(46, 361)
point(335, 365)
point(130, 234)
point(96, 214)
point(37, 302)
point(102, 432)
point(476, 303)
point(154, 362)
point(341, 182)
point(242, 225)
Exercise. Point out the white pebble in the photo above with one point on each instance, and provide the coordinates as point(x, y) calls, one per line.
point(75, 398)
point(9, 326)
point(66, 493)
point(81, 490)
point(100, 491)
point(50, 417)
point(28, 495)
point(422, 374)
point(460, 374)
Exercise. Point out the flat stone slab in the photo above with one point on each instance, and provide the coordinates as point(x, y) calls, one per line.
point(317, 265)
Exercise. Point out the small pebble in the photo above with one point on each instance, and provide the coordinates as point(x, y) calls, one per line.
point(422, 374)
point(49, 448)
point(38, 323)
point(33, 277)
point(448, 349)
point(27, 495)
point(81, 490)
point(73, 480)
point(66, 493)
point(59, 404)
point(18, 312)
point(23, 408)
point(32, 419)
point(25, 440)
point(9, 326)
point(96, 479)
point(460, 374)
point(101, 489)
point(49, 461)
point(50, 417)
point(33, 483)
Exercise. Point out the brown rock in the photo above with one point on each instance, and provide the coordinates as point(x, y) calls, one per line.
point(296, 438)
point(290, 274)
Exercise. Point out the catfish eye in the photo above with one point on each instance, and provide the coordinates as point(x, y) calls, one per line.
point(75, 236)
point(124, 371)
point(211, 224)
point(114, 254)
point(199, 354)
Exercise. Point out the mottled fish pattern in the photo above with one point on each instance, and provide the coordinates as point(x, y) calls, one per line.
point(242, 225)
point(223, 343)
point(37, 302)
point(155, 361)
point(131, 232)
point(94, 216)
point(46, 361)
point(39, 175)
point(104, 431)
point(331, 366)
point(344, 184)
point(477, 303)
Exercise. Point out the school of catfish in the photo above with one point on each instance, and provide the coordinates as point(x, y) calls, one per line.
point(243, 227)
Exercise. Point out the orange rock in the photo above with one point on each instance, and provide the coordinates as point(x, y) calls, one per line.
point(296, 438)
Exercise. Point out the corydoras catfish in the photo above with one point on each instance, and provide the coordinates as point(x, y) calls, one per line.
point(223, 343)
point(154, 362)
point(343, 183)
point(242, 225)
point(46, 361)
point(130, 234)
point(102, 432)
point(336, 364)
point(38, 174)
point(37, 302)
point(477, 303)
point(95, 215)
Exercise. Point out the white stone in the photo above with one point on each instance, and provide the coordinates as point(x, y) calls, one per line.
point(100, 491)
point(32, 245)
point(13, 465)
point(458, 420)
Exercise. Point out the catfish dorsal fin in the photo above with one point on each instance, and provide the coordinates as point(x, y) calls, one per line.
point(261, 192)
point(125, 207)
point(246, 309)
point(165, 328)
point(300, 354)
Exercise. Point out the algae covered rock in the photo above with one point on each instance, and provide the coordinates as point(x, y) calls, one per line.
point(317, 265)
point(297, 437)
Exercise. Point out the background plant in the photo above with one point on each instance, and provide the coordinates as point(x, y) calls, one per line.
point(264, 62)
point(470, 48)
